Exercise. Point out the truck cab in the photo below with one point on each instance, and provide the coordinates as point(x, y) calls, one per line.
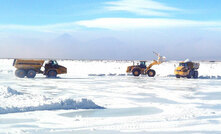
point(52, 68)
point(183, 64)
point(187, 69)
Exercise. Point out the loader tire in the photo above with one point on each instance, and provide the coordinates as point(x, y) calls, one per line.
point(52, 74)
point(195, 74)
point(31, 73)
point(136, 71)
point(151, 73)
point(20, 73)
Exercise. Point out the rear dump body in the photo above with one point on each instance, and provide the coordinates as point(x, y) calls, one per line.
point(29, 68)
point(187, 69)
point(27, 64)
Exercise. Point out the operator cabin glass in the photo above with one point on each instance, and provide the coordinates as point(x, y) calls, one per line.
point(183, 64)
point(55, 62)
point(143, 63)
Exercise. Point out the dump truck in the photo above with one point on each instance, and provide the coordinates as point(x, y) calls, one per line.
point(187, 69)
point(143, 69)
point(29, 68)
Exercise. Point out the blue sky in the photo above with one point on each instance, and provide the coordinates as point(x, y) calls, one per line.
point(44, 12)
point(111, 29)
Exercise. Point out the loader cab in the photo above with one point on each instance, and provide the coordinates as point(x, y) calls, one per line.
point(142, 64)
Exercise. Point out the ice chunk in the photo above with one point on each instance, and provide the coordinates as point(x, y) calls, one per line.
point(30, 102)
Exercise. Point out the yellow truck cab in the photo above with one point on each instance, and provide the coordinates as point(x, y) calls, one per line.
point(187, 69)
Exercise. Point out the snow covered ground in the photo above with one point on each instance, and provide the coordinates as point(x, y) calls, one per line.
point(98, 97)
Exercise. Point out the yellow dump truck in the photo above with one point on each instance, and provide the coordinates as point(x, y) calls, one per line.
point(29, 68)
point(187, 69)
point(141, 68)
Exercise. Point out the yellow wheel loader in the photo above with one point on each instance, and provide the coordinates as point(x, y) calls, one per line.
point(29, 68)
point(141, 68)
point(187, 69)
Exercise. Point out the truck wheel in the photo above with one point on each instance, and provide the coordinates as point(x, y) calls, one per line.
point(20, 73)
point(195, 74)
point(177, 76)
point(31, 74)
point(136, 71)
point(188, 76)
point(151, 73)
point(191, 73)
point(52, 74)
